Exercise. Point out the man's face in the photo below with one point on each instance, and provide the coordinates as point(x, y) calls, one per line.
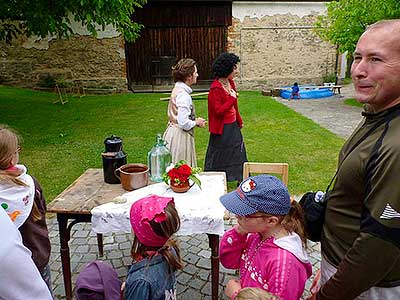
point(376, 68)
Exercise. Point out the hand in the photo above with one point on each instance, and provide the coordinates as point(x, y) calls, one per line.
point(122, 290)
point(312, 297)
point(232, 286)
point(200, 122)
point(315, 286)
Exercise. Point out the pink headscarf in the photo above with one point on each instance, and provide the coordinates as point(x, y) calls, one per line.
point(150, 208)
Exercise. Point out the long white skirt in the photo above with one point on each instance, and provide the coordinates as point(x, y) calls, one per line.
point(181, 144)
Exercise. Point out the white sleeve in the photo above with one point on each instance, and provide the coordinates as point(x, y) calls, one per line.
point(183, 103)
point(19, 277)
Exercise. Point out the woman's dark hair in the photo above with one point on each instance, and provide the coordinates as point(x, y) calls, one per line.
point(166, 229)
point(295, 84)
point(183, 69)
point(224, 64)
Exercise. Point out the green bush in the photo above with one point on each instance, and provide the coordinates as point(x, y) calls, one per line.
point(329, 77)
point(47, 82)
point(62, 83)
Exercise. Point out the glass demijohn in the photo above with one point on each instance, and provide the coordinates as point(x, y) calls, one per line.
point(158, 159)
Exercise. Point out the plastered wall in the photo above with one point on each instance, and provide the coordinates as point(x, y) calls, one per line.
point(277, 44)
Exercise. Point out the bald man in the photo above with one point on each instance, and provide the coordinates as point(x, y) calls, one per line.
point(361, 234)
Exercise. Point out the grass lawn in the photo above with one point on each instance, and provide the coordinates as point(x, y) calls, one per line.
point(353, 102)
point(347, 80)
point(61, 141)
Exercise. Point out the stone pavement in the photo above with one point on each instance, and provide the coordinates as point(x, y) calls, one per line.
point(194, 280)
point(331, 113)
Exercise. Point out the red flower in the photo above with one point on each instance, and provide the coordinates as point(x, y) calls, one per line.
point(185, 170)
point(180, 173)
point(173, 174)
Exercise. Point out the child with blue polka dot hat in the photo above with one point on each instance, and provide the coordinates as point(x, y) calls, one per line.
point(268, 244)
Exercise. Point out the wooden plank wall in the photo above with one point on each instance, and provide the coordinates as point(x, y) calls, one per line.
point(196, 30)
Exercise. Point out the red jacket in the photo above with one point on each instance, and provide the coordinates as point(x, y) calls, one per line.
point(219, 102)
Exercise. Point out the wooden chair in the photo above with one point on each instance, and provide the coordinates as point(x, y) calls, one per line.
point(267, 168)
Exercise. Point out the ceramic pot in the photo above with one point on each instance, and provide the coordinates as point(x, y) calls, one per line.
point(132, 176)
point(181, 188)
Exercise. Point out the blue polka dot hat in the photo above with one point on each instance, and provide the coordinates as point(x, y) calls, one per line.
point(262, 193)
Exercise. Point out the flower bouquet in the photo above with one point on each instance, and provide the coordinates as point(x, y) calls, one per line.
point(178, 175)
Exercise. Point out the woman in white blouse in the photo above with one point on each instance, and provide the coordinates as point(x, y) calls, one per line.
point(179, 134)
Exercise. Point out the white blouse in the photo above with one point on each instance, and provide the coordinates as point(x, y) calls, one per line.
point(184, 104)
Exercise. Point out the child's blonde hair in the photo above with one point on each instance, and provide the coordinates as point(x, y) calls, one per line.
point(164, 229)
point(9, 143)
point(253, 293)
point(294, 221)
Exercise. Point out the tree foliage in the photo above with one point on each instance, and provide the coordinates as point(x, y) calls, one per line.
point(346, 20)
point(44, 17)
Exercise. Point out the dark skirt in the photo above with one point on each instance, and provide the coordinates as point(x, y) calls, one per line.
point(227, 152)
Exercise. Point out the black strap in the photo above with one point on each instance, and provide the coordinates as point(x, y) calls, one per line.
point(390, 116)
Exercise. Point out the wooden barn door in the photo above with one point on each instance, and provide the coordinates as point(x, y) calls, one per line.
point(174, 31)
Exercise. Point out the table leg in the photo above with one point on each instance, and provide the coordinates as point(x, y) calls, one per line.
point(64, 250)
point(213, 240)
point(100, 244)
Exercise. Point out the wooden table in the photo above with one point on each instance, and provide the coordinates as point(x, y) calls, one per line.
point(76, 202)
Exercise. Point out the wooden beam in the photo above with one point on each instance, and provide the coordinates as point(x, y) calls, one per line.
point(192, 95)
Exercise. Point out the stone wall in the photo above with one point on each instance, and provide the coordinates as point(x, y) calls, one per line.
point(277, 45)
point(275, 41)
point(80, 61)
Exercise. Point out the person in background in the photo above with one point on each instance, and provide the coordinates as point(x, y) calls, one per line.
point(179, 134)
point(22, 198)
point(98, 281)
point(361, 233)
point(295, 91)
point(268, 245)
point(226, 150)
point(19, 277)
point(156, 256)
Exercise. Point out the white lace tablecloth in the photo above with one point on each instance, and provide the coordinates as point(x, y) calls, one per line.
point(200, 210)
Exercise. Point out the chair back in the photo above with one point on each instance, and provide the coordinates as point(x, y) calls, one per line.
point(267, 168)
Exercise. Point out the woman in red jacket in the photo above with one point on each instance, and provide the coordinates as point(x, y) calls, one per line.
point(226, 150)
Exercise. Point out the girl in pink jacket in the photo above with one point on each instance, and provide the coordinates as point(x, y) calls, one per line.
point(268, 244)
